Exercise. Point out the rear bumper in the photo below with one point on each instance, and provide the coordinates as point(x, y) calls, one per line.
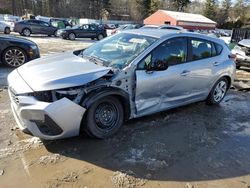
point(49, 121)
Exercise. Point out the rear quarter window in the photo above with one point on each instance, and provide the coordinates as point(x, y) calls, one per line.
point(218, 48)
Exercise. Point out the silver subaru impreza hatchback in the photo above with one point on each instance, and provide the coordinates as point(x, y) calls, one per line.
point(125, 76)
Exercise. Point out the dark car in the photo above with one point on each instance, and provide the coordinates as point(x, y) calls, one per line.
point(15, 51)
point(28, 27)
point(126, 27)
point(92, 31)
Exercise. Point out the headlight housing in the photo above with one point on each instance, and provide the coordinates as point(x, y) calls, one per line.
point(73, 94)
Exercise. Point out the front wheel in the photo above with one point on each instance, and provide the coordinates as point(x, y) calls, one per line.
point(104, 117)
point(26, 32)
point(218, 92)
point(72, 36)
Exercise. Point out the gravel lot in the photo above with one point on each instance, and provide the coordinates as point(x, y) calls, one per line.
point(188, 147)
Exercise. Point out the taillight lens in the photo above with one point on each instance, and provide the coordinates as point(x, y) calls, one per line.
point(232, 56)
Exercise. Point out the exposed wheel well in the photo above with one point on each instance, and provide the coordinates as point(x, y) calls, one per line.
point(103, 92)
point(229, 81)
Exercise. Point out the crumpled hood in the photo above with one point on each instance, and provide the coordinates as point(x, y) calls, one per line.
point(60, 71)
point(245, 42)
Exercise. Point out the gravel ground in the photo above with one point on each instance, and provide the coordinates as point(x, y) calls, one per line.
point(188, 147)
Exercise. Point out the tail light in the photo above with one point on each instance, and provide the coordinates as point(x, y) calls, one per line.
point(114, 31)
point(232, 56)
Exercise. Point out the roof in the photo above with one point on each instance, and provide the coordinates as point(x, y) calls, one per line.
point(156, 33)
point(189, 17)
point(161, 33)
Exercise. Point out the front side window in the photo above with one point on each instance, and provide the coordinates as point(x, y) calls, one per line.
point(201, 49)
point(171, 52)
point(119, 50)
point(85, 27)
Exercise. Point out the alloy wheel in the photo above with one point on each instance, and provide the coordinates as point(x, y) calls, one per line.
point(14, 57)
point(220, 91)
point(72, 36)
point(26, 32)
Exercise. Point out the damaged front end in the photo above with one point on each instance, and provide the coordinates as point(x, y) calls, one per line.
point(242, 52)
point(50, 114)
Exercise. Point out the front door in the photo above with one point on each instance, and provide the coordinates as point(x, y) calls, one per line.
point(158, 89)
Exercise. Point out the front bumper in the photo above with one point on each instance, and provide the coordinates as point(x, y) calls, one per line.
point(49, 121)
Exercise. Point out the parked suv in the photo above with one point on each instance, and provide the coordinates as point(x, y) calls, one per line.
point(93, 31)
point(128, 75)
point(28, 27)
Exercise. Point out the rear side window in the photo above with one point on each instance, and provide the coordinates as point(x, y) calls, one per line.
point(201, 49)
point(219, 49)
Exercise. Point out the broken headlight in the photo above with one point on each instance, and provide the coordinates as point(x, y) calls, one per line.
point(73, 94)
point(44, 96)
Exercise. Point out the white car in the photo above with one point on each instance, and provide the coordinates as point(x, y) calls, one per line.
point(5, 27)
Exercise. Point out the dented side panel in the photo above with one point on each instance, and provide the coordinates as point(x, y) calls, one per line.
point(161, 90)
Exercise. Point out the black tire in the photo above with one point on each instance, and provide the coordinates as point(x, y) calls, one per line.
point(104, 117)
point(92, 38)
point(26, 32)
point(72, 36)
point(7, 30)
point(100, 37)
point(214, 96)
point(20, 52)
point(55, 34)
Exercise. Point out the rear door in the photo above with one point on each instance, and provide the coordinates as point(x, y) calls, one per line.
point(93, 30)
point(84, 31)
point(35, 26)
point(203, 61)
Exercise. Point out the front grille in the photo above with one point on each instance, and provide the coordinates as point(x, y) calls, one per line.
point(14, 97)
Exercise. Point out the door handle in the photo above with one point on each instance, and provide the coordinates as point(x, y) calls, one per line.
point(216, 63)
point(185, 73)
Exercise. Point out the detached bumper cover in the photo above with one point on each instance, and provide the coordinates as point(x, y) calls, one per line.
point(49, 121)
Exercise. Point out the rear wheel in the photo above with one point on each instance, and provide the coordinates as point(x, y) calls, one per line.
point(100, 37)
point(104, 117)
point(218, 92)
point(55, 33)
point(7, 30)
point(26, 32)
point(72, 36)
point(14, 57)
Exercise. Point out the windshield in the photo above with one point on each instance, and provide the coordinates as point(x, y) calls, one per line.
point(119, 50)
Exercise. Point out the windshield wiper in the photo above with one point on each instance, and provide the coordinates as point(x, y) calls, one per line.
point(96, 60)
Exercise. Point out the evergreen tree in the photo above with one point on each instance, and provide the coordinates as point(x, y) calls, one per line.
point(210, 9)
point(180, 4)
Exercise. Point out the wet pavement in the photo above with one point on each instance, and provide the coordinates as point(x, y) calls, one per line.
point(188, 147)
